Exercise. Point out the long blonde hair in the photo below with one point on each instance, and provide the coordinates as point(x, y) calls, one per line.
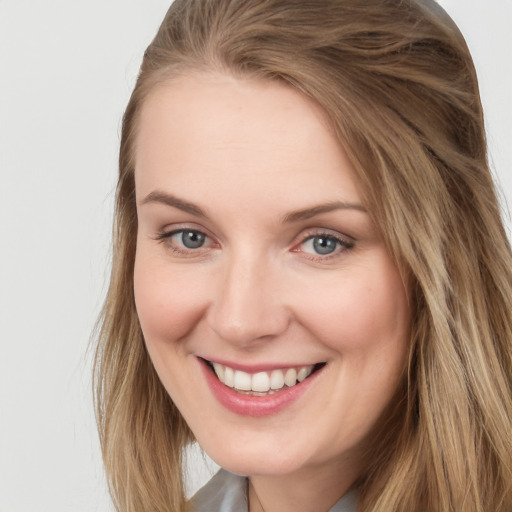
point(397, 81)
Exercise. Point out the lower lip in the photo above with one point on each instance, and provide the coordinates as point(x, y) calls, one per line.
point(255, 406)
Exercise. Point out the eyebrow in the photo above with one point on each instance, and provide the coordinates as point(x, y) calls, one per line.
point(295, 216)
point(170, 200)
point(308, 213)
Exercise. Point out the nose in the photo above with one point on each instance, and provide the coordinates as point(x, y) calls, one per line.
point(247, 306)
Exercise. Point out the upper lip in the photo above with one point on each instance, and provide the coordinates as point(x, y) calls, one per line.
point(258, 367)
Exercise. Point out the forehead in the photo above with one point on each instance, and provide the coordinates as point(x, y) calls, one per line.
point(202, 129)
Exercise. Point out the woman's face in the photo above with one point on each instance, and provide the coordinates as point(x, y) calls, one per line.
point(255, 255)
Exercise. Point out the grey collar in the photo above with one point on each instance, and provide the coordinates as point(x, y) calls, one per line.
point(226, 492)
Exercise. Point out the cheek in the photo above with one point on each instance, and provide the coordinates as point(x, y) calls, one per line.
point(169, 302)
point(363, 310)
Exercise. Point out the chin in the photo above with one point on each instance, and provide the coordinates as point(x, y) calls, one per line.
point(244, 460)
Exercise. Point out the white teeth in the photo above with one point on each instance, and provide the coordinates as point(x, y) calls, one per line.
point(276, 379)
point(242, 381)
point(219, 371)
point(290, 377)
point(229, 377)
point(304, 372)
point(261, 382)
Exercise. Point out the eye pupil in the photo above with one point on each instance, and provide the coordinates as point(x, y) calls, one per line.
point(324, 245)
point(192, 239)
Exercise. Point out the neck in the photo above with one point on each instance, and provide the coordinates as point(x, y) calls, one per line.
point(307, 491)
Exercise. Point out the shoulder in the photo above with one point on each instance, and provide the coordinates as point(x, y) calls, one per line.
point(225, 492)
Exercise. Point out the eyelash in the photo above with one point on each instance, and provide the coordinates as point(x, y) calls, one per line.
point(165, 238)
point(342, 244)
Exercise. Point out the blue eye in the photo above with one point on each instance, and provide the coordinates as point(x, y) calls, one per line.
point(321, 244)
point(324, 244)
point(181, 241)
point(191, 239)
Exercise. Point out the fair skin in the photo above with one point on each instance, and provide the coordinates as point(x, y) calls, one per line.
point(255, 252)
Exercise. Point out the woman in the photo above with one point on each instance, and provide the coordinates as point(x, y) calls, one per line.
point(310, 275)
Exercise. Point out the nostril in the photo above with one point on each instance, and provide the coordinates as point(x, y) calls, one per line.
point(246, 306)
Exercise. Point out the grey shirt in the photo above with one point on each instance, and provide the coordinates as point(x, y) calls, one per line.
point(226, 492)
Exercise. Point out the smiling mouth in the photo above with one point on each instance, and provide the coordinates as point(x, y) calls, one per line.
point(262, 383)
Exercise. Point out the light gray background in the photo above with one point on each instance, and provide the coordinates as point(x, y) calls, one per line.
point(66, 70)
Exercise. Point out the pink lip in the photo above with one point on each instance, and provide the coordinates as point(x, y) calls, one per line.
point(255, 406)
point(255, 368)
